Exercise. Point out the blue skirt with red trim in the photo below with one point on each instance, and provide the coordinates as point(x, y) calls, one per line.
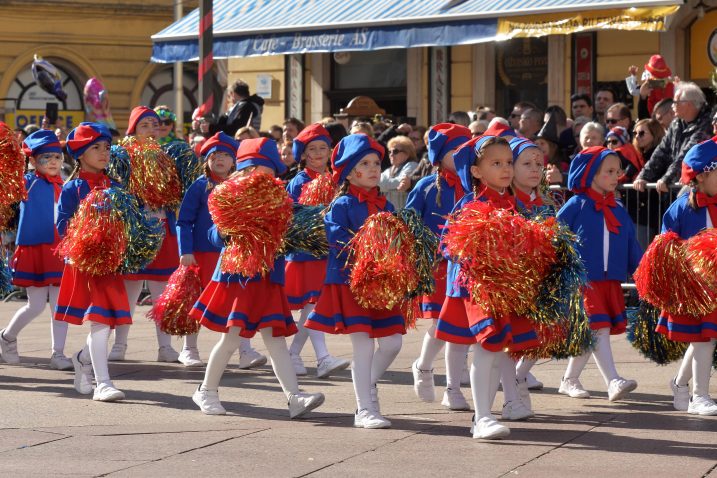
point(304, 280)
point(337, 312)
point(36, 266)
point(463, 322)
point(166, 262)
point(605, 306)
point(100, 299)
point(681, 328)
point(252, 306)
point(431, 304)
point(207, 262)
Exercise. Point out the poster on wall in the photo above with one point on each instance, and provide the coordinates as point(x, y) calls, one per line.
point(583, 63)
point(295, 86)
point(439, 87)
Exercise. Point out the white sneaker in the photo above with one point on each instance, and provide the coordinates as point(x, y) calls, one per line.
point(251, 359)
point(329, 365)
point(620, 387)
point(488, 428)
point(374, 399)
point(59, 362)
point(298, 365)
point(190, 358)
point(8, 350)
point(370, 419)
point(533, 383)
point(208, 401)
point(454, 400)
point(423, 383)
point(516, 410)
point(573, 388)
point(167, 354)
point(702, 405)
point(83, 375)
point(106, 392)
point(466, 376)
point(680, 396)
point(302, 403)
point(117, 353)
point(524, 393)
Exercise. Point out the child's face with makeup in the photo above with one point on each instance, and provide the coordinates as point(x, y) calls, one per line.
point(367, 172)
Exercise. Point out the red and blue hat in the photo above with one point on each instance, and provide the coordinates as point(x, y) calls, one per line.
point(699, 159)
point(500, 129)
point(84, 136)
point(585, 165)
point(619, 133)
point(220, 142)
point(350, 151)
point(40, 142)
point(445, 137)
point(313, 132)
point(518, 145)
point(137, 115)
point(259, 152)
point(465, 157)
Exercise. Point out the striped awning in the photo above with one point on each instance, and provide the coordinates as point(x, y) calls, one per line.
point(273, 27)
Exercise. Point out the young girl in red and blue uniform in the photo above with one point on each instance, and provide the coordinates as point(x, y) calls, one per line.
point(305, 273)
point(144, 125)
point(485, 167)
point(34, 264)
point(433, 198)
point(238, 306)
point(100, 300)
point(608, 247)
point(193, 224)
point(356, 165)
point(689, 214)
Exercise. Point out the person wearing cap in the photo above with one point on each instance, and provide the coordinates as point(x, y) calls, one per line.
point(143, 123)
point(305, 273)
point(608, 246)
point(548, 140)
point(235, 306)
point(34, 265)
point(167, 126)
point(433, 198)
point(356, 166)
point(657, 84)
point(618, 140)
point(102, 301)
point(688, 215)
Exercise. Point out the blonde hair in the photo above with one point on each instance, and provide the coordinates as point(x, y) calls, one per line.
point(405, 143)
point(248, 130)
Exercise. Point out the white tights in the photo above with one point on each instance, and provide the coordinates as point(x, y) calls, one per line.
point(369, 365)
point(455, 357)
point(697, 364)
point(318, 340)
point(36, 299)
point(96, 351)
point(522, 368)
point(276, 347)
point(484, 378)
point(508, 377)
point(602, 355)
point(134, 289)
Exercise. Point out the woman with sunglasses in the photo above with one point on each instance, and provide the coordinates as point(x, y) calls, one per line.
point(166, 133)
point(396, 180)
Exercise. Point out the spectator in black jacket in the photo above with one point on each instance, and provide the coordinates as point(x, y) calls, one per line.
point(246, 110)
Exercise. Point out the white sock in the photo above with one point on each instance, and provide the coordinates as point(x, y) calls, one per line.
point(576, 365)
point(134, 289)
point(363, 352)
point(190, 341)
point(318, 339)
point(58, 327)
point(36, 300)
point(219, 358)
point(280, 362)
point(701, 367)
point(388, 348)
point(483, 369)
point(455, 363)
point(522, 368)
point(507, 377)
point(685, 372)
point(97, 343)
point(155, 290)
point(603, 356)
point(430, 349)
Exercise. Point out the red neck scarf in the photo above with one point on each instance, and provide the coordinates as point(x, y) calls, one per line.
point(710, 202)
point(96, 180)
point(454, 181)
point(526, 200)
point(605, 204)
point(372, 199)
point(56, 182)
point(311, 173)
point(215, 178)
point(503, 201)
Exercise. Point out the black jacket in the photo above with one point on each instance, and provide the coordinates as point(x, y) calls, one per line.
point(246, 112)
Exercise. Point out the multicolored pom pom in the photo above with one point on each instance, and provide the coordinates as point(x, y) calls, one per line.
point(171, 310)
point(119, 166)
point(189, 167)
point(12, 168)
point(320, 191)
point(153, 175)
point(307, 233)
point(641, 323)
point(426, 249)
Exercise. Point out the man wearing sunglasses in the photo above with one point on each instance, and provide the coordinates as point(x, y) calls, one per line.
point(518, 110)
point(618, 115)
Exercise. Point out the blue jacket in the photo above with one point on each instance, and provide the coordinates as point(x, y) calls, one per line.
point(72, 193)
point(624, 254)
point(681, 218)
point(36, 222)
point(194, 219)
point(422, 199)
point(345, 217)
point(294, 189)
point(276, 275)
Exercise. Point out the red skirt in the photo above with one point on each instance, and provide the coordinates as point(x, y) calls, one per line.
point(337, 312)
point(605, 306)
point(682, 328)
point(36, 266)
point(166, 262)
point(303, 282)
point(431, 304)
point(100, 299)
point(252, 306)
point(463, 322)
point(207, 262)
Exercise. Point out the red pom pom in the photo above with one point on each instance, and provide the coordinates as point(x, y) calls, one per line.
point(7, 214)
point(319, 191)
point(153, 174)
point(96, 239)
point(667, 280)
point(702, 254)
point(254, 213)
point(171, 310)
point(12, 168)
